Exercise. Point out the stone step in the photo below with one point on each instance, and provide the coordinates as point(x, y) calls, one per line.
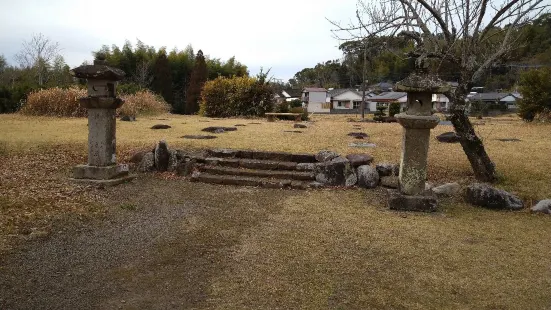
point(251, 181)
point(262, 155)
point(262, 164)
point(274, 174)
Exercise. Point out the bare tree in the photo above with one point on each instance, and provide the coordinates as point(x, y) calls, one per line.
point(38, 54)
point(143, 76)
point(471, 35)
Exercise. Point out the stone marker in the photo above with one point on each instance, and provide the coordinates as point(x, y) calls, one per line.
point(101, 103)
point(417, 122)
point(543, 206)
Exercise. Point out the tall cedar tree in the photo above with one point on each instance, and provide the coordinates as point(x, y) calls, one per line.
point(197, 80)
point(162, 77)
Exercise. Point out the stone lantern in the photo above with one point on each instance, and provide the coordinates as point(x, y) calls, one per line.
point(417, 122)
point(101, 104)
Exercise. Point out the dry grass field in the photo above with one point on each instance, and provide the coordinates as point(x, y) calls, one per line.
point(293, 249)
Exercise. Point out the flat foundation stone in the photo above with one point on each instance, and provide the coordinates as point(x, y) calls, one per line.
point(100, 173)
point(110, 182)
point(400, 202)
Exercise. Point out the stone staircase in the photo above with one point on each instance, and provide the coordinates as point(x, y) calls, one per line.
point(256, 168)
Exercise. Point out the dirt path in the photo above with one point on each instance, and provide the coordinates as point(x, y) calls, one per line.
point(154, 249)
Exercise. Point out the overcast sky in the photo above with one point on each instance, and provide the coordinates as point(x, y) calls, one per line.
point(285, 35)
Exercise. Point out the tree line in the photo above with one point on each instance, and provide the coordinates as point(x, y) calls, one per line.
point(176, 75)
point(382, 59)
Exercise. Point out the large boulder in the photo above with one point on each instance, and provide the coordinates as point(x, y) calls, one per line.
point(336, 172)
point(357, 160)
point(448, 189)
point(485, 196)
point(390, 181)
point(448, 137)
point(544, 206)
point(367, 177)
point(326, 155)
point(147, 162)
point(387, 169)
point(162, 156)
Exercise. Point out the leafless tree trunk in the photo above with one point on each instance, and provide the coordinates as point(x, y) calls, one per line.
point(38, 54)
point(471, 34)
point(143, 76)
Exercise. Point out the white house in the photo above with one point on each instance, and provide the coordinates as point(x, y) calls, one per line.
point(384, 99)
point(440, 103)
point(316, 100)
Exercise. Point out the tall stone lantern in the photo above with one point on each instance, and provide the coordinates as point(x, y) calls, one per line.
point(101, 104)
point(417, 122)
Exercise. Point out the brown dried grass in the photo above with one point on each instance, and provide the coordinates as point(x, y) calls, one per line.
point(63, 102)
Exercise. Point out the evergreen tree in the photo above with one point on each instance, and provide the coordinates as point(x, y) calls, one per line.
point(162, 77)
point(197, 80)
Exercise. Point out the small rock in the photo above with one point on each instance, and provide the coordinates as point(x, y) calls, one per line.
point(428, 186)
point(448, 137)
point(219, 130)
point(544, 206)
point(509, 140)
point(198, 137)
point(147, 163)
point(315, 185)
point(386, 169)
point(361, 144)
point(214, 129)
point(186, 168)
point(390, 181)
point(488, 197)
point(299, 126)
point(128, 118)
point(367, 177)
point(160, 126)
point(448, 189)
point(162, 156)
point(239, 125)
point(357, 160)
point(326, 155)
point(358, 135)
point(295, 131)
point(172, 160)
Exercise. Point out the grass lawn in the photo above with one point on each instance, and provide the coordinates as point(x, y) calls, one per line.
point(313, 249)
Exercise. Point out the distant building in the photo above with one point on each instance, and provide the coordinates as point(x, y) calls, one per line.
point(315, 99)
point(381, 87)
point(384, 99)
point(497, 101)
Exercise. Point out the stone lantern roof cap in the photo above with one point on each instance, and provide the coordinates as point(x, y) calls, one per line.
point(98, 71)
point(423, 83)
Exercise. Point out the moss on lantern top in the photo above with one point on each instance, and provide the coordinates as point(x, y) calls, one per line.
point(98, 71)
point(422, 83)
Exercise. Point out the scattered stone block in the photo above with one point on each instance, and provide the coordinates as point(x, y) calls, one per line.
point(509, 140)
point(386, 169)
point(400, 202)
point(306, 166)
point(128, 118)
point(239, 125)
point(326, 155)
point(293, 131)
point(198, 137)
point(361, 144)
point(299, 126)
point(367, 177)
point(543, 206)
point(390, 181)
point(160, 126)
point(336, 172)
point(359, 159)
point(448, 137)
point(147, 163)
point(358, 135)
point(217, 129)
point(448, 189)
point(485, 196)
point(162, 156)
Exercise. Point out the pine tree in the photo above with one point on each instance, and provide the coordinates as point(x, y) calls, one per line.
point(197, 80)
point(162, 77)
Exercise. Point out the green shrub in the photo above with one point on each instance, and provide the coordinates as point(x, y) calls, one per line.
point(535, 87)
point(380, 114)
point(303, 111)
point(282, 107)
point(394, 109)
point(295, 103)
point(128, 89)
point(236, 96)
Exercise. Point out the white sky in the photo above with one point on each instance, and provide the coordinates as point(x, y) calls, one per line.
point(286, 35)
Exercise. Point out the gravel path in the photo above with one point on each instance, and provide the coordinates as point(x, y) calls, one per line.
point(156, 249)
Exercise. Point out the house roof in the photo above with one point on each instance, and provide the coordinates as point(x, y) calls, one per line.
point(340, 91)
point(294, 93)
point(488, 96)
point(382, 85)
point(315, 89)
point(388, 96)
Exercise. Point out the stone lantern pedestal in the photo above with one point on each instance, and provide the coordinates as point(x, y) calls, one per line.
point(417, 122)
point(101, 103)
